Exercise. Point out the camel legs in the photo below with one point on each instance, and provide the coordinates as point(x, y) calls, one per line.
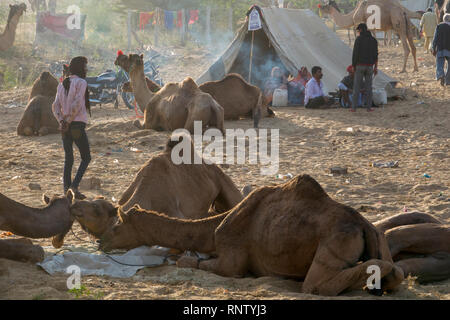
point(435, 267)
point(405, 51)
point(331, 271)
point(232, 262)
point(413, 50)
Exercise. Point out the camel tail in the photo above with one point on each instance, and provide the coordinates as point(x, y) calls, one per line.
point(406, 23)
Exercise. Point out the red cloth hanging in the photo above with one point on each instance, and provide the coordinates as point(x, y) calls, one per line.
point(144, 18)
point(194, 16)
point(180, 19)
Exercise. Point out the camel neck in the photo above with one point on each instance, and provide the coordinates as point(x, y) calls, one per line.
point(194, 235)
point(141, 92)
point(342, 20)
point(33, 222)
point(9, 34)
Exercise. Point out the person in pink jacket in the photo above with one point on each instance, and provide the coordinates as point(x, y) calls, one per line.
point(70, 109)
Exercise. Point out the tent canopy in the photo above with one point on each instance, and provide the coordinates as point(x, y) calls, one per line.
point(289, 39)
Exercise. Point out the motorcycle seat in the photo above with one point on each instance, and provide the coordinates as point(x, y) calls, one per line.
point(95, 85)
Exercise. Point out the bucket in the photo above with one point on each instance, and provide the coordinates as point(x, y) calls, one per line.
point(280, 98)
point(379, 97)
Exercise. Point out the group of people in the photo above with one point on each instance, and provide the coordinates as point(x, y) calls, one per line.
point(437, 39)
point(354, 90)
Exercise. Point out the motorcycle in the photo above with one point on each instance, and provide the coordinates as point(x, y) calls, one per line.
point(107, 87)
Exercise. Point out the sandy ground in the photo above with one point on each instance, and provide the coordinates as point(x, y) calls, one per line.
point(414, 131)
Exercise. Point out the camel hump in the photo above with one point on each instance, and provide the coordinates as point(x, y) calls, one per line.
point(189, 84)
point(45, 76)
point(307, 187)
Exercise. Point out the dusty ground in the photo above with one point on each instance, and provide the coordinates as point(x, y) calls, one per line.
point(415, 132)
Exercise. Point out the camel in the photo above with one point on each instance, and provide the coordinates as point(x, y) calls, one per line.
point(393, 17)
point(9, 34)
point(176, 105)
point(21, 250)
point(419, 245)
point(441, 7)
point(182, 191)
point(292, 230)
point(246, 100)
point(54, 220)
point(38, 118)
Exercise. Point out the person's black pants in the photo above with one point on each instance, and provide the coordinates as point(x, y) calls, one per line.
point(316, 103)
point(77, 134)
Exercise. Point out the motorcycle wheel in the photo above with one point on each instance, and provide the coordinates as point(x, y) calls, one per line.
point(128, 99)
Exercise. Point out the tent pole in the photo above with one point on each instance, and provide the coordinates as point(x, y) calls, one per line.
point(251, 59)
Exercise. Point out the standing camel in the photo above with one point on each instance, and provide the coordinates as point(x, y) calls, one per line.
point(393, 17)
point(9, 34)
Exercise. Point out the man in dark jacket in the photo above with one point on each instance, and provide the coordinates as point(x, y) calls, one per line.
point(441, 50)
point(365, 62)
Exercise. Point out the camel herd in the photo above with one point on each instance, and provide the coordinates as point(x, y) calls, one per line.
point(292, 230)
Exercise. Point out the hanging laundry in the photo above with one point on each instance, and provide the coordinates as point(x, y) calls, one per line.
point(180, 19)
point(168, 19)
point(194, 16)
point(144, 19)
point(159, 18)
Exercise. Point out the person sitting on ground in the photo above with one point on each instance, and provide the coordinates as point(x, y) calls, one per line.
point(296, 87)
point(314, 96)
point(441, 50)
point(276, 81)
point(346, 89)
point(428, 25)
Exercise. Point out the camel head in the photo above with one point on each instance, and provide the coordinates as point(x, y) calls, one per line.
point(16, 10)
point(326, 6)
point(123, 234)
point(129, 62)
point(94, 216)
point(63, 201)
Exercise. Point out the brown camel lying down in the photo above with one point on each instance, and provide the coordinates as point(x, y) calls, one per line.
point(245, 100)
point(182, 191)
point(419, 244)
point(176, 105)
point(52, 221)
point(291, 230)
point(38, 118)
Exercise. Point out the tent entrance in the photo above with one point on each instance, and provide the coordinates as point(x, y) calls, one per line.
point(264, 58)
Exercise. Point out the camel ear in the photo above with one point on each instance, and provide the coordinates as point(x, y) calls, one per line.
point(142, 56)
point(70, 196)
point(46, 199)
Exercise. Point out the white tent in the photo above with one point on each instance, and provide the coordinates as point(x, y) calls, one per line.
point(291, 39)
